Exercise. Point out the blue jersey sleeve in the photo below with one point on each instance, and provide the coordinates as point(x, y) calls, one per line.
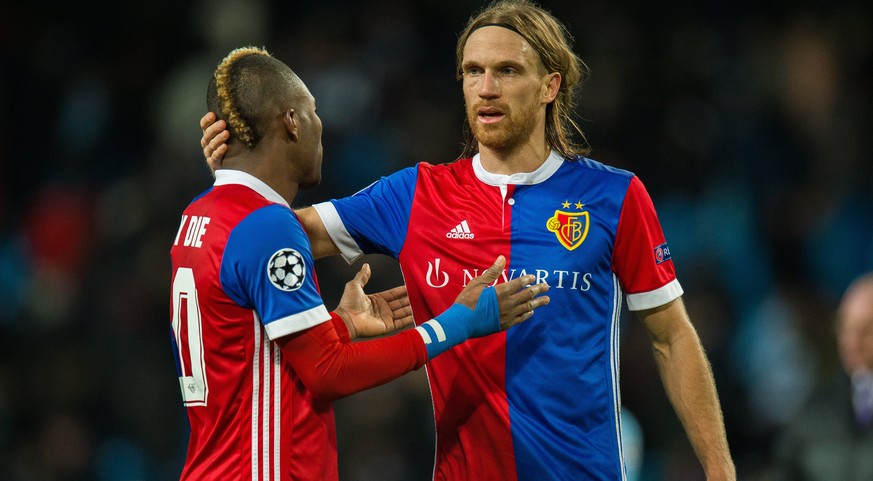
point(268, 266)
point(377, 217)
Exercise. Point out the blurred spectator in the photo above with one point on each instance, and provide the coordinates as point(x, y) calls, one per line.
point(831, 438)
point(631, 445)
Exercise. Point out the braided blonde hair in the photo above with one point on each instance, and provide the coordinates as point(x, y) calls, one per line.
point(249, 88)
point(229, 107)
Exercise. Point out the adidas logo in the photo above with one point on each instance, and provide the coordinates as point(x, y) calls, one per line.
point(460, 231)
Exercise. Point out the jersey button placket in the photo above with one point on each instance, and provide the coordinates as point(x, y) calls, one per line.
point(507, 207)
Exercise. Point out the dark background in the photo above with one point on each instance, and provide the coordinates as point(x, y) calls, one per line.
point(749, 122)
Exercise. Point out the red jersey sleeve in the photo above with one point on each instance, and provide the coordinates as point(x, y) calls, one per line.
point(331, 367)
point(641, 258)
point(342, 331)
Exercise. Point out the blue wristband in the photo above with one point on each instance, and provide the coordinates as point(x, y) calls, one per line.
point(459, 323)
point(487, 314)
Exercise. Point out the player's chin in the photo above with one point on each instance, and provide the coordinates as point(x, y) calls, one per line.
point(493, 139)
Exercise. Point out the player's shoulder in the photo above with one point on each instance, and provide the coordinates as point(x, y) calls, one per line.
point(589, 166)
point(234, 198)
point(451, 166)
point(458, 168)
point(272, 216)
point(227, 204)
point(268, 225)
point(412, 175)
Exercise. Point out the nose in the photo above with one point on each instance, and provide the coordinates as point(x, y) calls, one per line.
point(489, 88)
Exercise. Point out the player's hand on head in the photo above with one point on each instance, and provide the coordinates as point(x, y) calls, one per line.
point(374, 314)
point(516, 299)
point(214, 140)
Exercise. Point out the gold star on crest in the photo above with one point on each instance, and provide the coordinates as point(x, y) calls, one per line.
point(566, 204)
point(579, 205)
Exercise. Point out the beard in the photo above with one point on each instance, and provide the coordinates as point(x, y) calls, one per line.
point(515, 128)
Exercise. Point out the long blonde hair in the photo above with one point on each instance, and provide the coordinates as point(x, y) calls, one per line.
point(553, 43)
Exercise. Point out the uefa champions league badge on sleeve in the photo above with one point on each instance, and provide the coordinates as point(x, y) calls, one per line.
point(286, 269)
point(662, 253)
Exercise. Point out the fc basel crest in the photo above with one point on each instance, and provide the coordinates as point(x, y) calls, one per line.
point(570, 228)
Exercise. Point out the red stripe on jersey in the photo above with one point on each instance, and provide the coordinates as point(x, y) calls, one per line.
point(637, 236)
point(470, 407)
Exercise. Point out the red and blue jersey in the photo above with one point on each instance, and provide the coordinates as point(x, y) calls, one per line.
point(541, 400)
point(243, 277)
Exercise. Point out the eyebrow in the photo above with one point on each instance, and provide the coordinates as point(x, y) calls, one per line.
point(514, 63)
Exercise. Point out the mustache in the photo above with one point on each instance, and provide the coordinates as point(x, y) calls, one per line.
point(489, 105)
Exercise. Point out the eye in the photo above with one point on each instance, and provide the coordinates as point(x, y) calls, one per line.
point(508, 71)
point(472, 71)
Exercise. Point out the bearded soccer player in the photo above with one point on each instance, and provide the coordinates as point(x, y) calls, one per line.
point(533, 403)
point(259, 356)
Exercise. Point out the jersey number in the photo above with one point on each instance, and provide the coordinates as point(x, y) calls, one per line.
point(189, 338)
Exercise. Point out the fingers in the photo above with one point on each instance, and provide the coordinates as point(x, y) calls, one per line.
point(207, 120)
point(398, 304)
point(530, 300)
point(363, 275)
point(521, 304)
point(218, 135)
point(523, 312)
point(214, 139)
point(403, 321)
point(516, 284)
point(492, 273)
point(470, 295)
point(395, 294)
point(214, 158)
point(210, 131)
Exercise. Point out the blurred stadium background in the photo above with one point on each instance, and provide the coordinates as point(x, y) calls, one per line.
point(748, 121)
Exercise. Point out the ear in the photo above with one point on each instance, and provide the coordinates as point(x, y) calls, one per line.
point(551, 85)
point(290, 121)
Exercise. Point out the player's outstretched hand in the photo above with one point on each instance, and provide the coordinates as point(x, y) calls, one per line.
point(214, 140)
point(516, 299)
point(374, 314)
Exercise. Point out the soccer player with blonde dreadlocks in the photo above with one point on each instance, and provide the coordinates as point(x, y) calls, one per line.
point(259, 357)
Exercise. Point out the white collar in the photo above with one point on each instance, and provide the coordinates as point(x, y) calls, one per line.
point(550, 166)
point(230, 176)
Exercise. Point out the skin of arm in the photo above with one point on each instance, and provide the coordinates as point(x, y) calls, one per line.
point(688, 381)
point(354, 298)
point(322, 244)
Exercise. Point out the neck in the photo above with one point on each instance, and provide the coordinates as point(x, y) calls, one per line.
point(269, 173)
point(521, 159)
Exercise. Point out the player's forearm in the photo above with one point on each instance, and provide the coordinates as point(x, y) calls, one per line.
point(322, 244)
point(690, 385)
point(331, 368)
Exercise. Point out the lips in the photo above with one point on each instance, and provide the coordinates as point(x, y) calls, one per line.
point(489, 115)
